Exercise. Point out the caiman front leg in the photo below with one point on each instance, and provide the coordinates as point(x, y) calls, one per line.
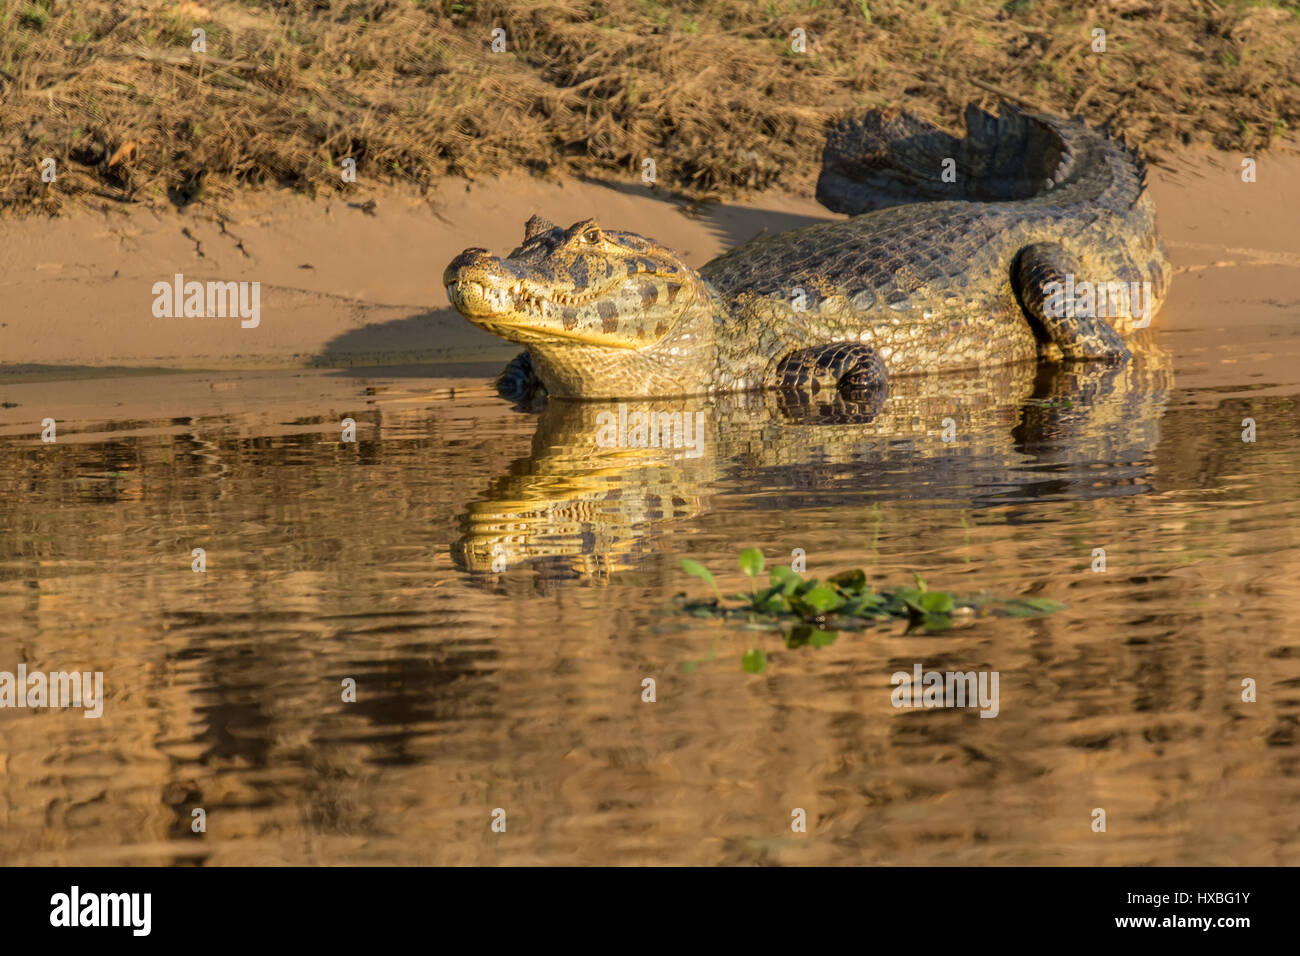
point(842, 382)
point(1080, 337)
point(519, 383)
point(855, 371)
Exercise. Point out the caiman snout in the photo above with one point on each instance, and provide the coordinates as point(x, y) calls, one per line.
point(475, 278)
point(477, 260)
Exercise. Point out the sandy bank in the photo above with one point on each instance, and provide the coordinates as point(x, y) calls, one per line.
point(340, 283)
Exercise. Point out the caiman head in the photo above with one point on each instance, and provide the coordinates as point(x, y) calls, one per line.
point(604, 314)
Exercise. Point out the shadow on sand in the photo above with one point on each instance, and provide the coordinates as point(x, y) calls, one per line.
point(440, 340)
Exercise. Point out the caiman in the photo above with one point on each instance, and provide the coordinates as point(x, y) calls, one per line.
point(954, 257)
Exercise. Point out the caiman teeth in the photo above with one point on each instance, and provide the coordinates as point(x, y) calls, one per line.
point(521, 295)
point(561, 299)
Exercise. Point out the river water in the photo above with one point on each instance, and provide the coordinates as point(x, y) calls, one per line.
point(499, 585)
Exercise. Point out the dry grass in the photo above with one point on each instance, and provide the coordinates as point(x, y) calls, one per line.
point(710, 89)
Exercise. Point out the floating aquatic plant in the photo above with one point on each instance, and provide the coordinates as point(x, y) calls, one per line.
point(813, 611)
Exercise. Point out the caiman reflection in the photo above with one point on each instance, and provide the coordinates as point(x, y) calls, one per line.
point(600, 482)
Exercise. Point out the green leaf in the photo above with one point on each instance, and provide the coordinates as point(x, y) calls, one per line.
point(786, 579)
point(937, 602)
point(820, 638)
point(936, 622)
point(771, 601)
point(700, 571)
point(822, 599)
point(751, 562)
point(906, 598)
point(806, 634)
point(920, 581)
point(866, 605)
point(696, 569)
point(754, 661)
point(851, 608)
point(851, 581)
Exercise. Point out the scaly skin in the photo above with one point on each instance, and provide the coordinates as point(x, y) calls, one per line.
point(926, 276)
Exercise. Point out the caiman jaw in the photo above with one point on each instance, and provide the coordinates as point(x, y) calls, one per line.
point(521, 312)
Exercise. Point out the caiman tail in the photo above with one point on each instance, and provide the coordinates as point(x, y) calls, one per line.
point(891, 158)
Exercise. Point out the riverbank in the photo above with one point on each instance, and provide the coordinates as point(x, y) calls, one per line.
point(172, 102)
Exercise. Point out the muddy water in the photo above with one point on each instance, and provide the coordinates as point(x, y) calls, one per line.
point(522, 690)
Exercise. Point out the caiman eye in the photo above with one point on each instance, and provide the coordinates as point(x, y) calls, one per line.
point(590, 236)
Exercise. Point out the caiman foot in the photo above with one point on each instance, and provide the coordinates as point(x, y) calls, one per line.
point(519, 383)
point(839, 383)
point(855, 371)
point(1039, 276)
